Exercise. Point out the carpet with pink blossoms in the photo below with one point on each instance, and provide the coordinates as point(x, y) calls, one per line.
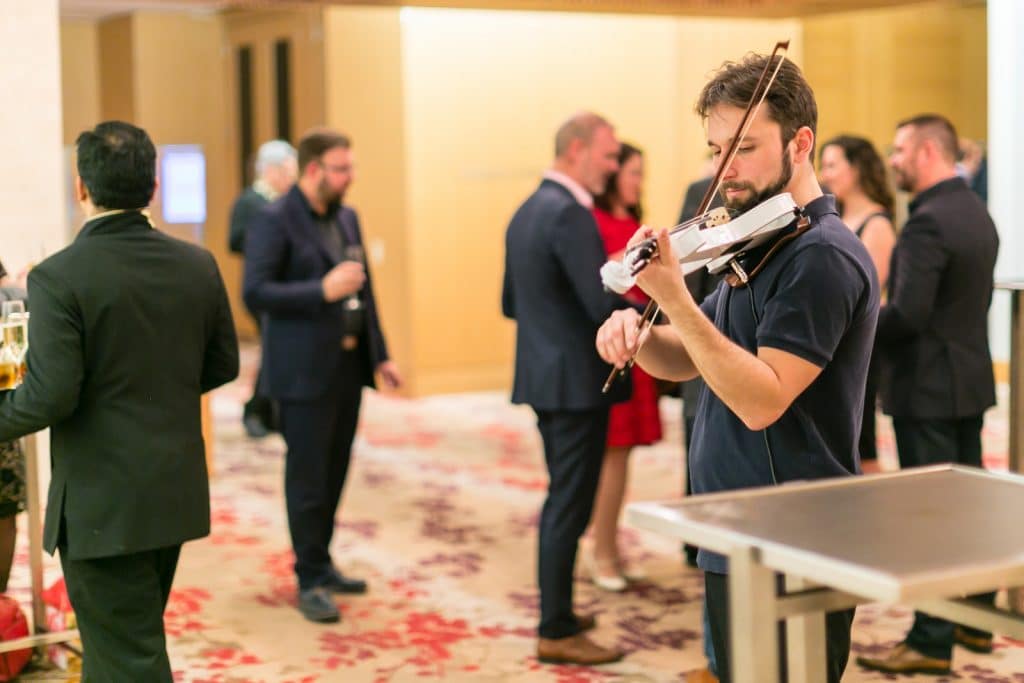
point(439, 515)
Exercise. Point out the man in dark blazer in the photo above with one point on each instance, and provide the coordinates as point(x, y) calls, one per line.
point(322, 343)
point(933, 336)
point(129, 327)
point(552, 289)
point(276, 171)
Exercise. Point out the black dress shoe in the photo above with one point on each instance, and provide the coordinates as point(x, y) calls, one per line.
point(317, 605)
point(336, 582)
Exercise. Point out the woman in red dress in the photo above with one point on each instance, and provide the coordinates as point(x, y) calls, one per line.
point(635, 422)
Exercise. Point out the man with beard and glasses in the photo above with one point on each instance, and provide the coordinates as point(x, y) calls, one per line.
point(937, 377)
point(322, 344)
point(783, 358)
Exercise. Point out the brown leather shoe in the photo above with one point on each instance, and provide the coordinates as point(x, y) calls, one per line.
point(586, 622)
point(701, 676)
point(979, 644)
point(902, 659)
point(577, 649)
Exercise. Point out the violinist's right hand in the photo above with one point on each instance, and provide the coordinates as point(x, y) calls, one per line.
point(618, 338)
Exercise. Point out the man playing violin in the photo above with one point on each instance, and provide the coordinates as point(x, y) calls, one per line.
point(784, 356)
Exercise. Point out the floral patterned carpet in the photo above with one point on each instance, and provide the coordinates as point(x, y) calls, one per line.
point(439, 516)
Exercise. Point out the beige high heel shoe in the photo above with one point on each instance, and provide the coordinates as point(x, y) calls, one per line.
point(614, 584)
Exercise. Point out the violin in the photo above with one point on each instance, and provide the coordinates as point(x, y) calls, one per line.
point(712, 240)
point(722, 249)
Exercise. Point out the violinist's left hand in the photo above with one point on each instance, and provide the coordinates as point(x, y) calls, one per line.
point(662, 279)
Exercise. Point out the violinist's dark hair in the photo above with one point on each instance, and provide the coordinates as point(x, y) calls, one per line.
point(861, 155)
point(604, 200)
point(938, 129)
point(790, 100)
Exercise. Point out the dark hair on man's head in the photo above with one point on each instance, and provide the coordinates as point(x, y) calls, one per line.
point(790, 100)
point(317, 142)
point(861, 155)
point(938, 129)
point(604, 200)
point(117, 164)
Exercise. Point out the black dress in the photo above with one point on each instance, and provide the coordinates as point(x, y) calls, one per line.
point(867, 443)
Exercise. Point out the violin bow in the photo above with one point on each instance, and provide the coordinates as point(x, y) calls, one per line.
point(757, 98)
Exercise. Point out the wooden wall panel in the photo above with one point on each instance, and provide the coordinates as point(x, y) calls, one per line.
point(260, 29)
point(871, 69)
point(80, 76)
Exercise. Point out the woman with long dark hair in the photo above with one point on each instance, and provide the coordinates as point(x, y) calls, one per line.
point(855, 174)
point(635, 422)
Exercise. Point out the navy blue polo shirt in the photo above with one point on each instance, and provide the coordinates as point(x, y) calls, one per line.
point(817, 298)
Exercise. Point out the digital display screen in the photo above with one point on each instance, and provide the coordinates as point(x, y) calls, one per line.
point(183, 184)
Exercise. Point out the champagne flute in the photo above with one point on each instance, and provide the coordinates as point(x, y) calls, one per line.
point(12, 307)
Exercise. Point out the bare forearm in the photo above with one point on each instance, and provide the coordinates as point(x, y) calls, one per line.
point(744, 382)
point(664, 356)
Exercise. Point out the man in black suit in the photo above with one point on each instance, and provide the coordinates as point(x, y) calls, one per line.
point(276, 170)
point(322, 343)
point(933, 334)
point(129, 327)
point(552, 289)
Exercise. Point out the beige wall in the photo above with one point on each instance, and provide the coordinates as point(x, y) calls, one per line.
point(873, 68)
point(117, 69)
point(31, 192)
point(80, 76)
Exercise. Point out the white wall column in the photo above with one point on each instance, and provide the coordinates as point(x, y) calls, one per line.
point(32, 191)
point(1005, 154)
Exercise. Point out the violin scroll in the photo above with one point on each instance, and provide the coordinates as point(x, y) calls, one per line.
point(620, 276)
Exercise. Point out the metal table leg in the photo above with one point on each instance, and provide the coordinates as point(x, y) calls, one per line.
point(805, 641)
point(754, 632)
point(1015, 412)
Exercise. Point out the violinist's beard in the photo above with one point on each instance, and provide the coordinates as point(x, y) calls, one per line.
point(744, 204)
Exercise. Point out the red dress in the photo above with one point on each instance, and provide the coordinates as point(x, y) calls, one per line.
point(635, 422)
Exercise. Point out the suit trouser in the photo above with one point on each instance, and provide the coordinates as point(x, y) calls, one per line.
point(319, 436)
point(837, 633)
point(260, 404)
point(931, 442)
point(574, 444)
point(119, 604)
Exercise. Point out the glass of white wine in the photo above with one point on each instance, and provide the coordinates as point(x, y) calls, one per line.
point(12, 307)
